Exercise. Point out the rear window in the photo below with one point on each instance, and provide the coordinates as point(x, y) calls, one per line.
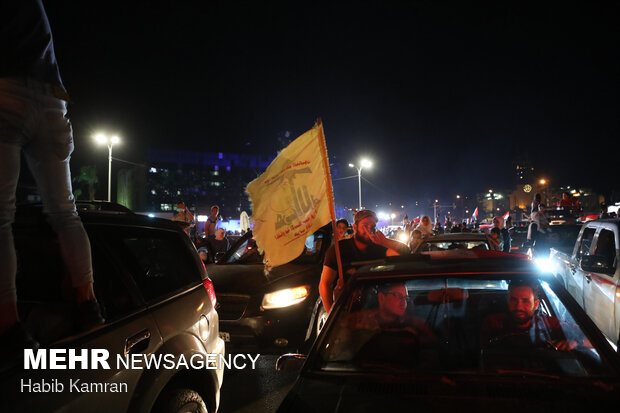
point(160, 262)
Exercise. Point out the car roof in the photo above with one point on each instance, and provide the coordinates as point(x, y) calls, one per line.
point(457, 236)
point(457, 262)
point(108, 214)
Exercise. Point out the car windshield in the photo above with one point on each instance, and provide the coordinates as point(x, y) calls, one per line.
point(247, 251)
point(458, 326)
point(452, 245)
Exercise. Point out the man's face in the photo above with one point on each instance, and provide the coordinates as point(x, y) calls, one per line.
point(393, 302)
point(522, 304)
point(426, 221)
point(363, 229)
point(214, 212)
point(219, 234)
point(496, 222)
point(342, 229)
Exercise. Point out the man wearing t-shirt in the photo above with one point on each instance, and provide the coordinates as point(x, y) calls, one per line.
point(366, 244)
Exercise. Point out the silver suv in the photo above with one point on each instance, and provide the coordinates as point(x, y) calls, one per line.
point(156, 298)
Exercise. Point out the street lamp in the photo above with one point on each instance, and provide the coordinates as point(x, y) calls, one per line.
point(542, 183)
point(102, 139)
point(364, 163)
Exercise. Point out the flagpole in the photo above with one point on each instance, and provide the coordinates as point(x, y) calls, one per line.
point(330, 198)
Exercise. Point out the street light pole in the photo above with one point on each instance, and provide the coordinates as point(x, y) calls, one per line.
point(109, 172)
point(109, 141)
point(364, 163)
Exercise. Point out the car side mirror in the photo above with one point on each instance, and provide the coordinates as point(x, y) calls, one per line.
point(219, 256)
point(596, 263)
point(290, 362)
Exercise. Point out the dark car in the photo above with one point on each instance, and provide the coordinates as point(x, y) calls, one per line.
point(269, 312)
point(156, 299)
point(444, 346)
point(560, 216)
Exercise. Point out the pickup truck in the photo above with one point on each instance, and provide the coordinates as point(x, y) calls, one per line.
point(591, 273)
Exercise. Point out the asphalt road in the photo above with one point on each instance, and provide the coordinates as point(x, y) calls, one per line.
point(256, 391)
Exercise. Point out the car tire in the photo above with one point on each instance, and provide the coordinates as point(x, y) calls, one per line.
point(183, 401)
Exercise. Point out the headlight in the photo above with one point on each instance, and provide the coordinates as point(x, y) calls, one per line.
point(404, 238)
point(285, 298)
point(545, 264)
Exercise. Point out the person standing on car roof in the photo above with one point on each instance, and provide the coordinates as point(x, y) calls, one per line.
point(33, 109)
point(366, 244)
point(498, 222)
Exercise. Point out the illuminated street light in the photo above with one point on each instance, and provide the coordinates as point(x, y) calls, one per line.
point(542, 181)
point(103, 139)
point(364, 163)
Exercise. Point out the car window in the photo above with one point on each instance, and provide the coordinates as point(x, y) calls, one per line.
point(159, 261)
point(586, 242)
point(450, 245)
point(455, 325)
point(43, 284)
point(606, 246)
point(246, 253)
point(111, 287)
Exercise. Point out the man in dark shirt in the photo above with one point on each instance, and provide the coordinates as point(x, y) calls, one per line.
point(366, 244)
point(522, 325)
point(498, 222)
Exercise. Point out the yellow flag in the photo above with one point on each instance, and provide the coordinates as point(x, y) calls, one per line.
point(292, 198)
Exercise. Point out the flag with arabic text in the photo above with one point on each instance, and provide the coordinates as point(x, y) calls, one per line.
point(290, 200)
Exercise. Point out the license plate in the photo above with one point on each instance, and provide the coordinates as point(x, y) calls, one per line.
point(225, 336)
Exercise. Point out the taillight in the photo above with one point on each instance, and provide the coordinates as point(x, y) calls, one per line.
point(210, 290)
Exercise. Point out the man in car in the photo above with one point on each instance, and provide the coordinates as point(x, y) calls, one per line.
point(389, 332)
point(523, 325)
point(366, 244)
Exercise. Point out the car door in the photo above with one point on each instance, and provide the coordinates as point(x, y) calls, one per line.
point(574, 275)
point(124, 332)
point(599, 289)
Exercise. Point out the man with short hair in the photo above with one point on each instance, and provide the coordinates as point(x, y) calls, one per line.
point(212, 220)
point(342, 225)
point(522, 325)
point(498, 222)
point(219, 243)
point(366, 244)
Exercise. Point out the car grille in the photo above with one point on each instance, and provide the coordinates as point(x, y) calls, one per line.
point(231, 306)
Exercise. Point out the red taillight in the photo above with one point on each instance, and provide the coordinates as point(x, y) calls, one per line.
point(210, 290)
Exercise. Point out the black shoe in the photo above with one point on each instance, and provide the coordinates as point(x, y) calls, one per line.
point(88, 316)
point(13, 342)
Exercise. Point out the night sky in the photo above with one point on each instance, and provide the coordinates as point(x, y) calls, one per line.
point(443, 98)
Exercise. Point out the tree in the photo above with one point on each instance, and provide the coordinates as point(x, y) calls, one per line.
point(87, 176)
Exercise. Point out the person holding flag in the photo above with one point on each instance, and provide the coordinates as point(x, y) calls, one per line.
point(292, 199)
point(366, 244)
point(474, 216)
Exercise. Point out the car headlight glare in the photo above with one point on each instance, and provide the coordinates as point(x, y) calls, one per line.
point(285, 297)
point(545, 264)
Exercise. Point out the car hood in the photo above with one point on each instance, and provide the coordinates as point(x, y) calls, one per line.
point(442, 394)
point(250, 278)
